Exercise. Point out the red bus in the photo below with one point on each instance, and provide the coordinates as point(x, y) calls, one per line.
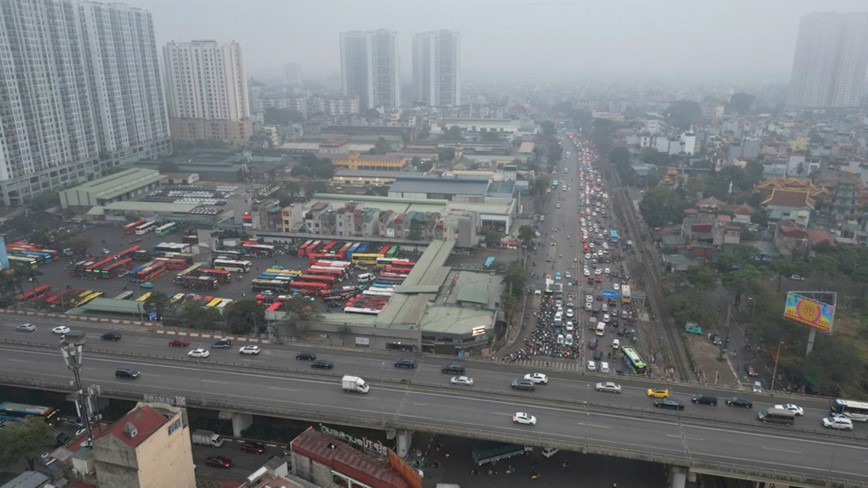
point(308, 286)
point(61, 297)
point(174, 263)
point(328, 263)
point(383, 250)
point(327, 271)
point(302, 249)
point(220, 275)
point(151, 272)
point(342, 252)
point(314, 257)
point(313, 247)
point(327, 249)
point(388, 274)
point(318, 278)
point(112, 270)
point(131, 227)
point(37, 292)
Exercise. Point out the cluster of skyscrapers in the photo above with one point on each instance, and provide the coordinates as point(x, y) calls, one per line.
point(370, 68)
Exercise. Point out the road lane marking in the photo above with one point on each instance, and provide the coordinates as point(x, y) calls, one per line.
point(781, 450)
point(19, 361)
point(279, 389)
point(594, 425)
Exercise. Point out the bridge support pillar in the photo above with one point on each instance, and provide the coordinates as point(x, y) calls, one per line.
point(405, 439)
point(677, 477)
point(240, 422)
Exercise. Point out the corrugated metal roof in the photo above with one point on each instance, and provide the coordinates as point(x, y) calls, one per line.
point(159, 207)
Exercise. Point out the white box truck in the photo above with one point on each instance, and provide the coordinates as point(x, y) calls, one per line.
point(354, 384)
point(203, 437)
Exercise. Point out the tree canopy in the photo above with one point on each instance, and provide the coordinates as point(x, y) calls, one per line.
point(26, 440)
point(313, 167)
point(244, 317)
point(661, 206)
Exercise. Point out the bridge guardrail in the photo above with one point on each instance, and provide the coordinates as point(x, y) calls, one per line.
point(585, 445)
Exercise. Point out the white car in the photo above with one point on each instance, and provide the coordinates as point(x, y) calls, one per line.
point(609, 387)
point(589, 298)
point(797, 410)
point(255, 350)
point(616, 344)
point(837, 422)
point(461, 380)
point(523, 418)
point(598, 271)
point(607, 271)
point(548, 452)
point(570, 313)
point(606, 318)
point(537, 378)
point(199, 353)
point(60, 329)
point(26, 328)
point(588, 256)
point(616, 286)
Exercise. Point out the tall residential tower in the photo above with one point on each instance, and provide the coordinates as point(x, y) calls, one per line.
point(79, 93)
point(435, 68)
point(831, 57)
point(206, 91)
point(370, 69)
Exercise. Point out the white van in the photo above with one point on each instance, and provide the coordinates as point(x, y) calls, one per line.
point(366, 278)
point(558, 318)
point(592, 366)
point(569, 340)
point(601, 329)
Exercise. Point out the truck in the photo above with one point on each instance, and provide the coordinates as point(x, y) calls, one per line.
point(354, 384)
point(491, 452)
point(204, 437)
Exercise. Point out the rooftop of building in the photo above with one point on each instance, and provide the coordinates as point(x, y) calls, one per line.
point(506, 187)
point(119, 183)
point(454, 185)
point(156, 207)
point(398, 205)
point(369, 173)
point(144, 419)
point(331, 452)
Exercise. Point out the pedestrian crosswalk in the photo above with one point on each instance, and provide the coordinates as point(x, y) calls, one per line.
point(552, 364)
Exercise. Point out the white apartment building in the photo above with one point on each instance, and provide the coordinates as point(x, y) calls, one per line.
point(292, 75)
point(370, 68)
point(436, 75)
point(79, 93)
point(335, 105)
point(830, 61)
point(205, 80)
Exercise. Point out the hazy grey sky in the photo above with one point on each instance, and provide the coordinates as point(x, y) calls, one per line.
point(726, 39)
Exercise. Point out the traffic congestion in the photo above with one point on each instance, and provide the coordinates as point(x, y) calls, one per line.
point(585, 311)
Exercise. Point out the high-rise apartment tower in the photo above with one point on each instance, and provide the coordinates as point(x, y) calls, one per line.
point(435, 68)
point(831, 57)
point(370, 68)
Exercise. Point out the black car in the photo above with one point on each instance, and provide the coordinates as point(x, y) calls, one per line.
point(739, 402)
point(307, 356)
point(127, 373)
point(704, 399)
point(111, 336)
point(322, 364)
point(669, 403)
point(598, 355)
point(222, 344)
point(405, 363)
point(453, 369)
point(523, 384)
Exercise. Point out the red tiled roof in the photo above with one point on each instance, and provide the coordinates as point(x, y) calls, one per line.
point(344, 459)
point(145, 419)
point(732, 228)
point(818, 236)
point(789, 198)
point(701, 227)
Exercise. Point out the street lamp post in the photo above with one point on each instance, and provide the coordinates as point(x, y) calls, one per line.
point(383, 394)
point(775, 370)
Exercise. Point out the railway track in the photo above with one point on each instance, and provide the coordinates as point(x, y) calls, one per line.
point(674, 347)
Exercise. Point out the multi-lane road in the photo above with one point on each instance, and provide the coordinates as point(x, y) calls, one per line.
point(570, 413)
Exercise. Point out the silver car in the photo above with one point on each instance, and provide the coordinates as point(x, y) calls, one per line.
point(608, 386)
point(26, 328)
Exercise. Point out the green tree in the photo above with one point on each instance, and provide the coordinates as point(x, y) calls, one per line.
point(526, 235)
point(743, 281)
point(415, 233)
point(454, 134)
point(740, 103)
point(760, 217)
point(492, 237)
point(198, 316)
point(79, 245)
point(26, 440)
point(515, 278)
point(834, 364)
point(300, 307)
point(445, 154)
point(702, 277)
point(548, 128)
point(381, 147)
point(660, 206)
point(683, 113)
point(244, 317)
point(292, 188)
point(426, 166)
point(159, 301)
point(312, 187)
point(695, 185)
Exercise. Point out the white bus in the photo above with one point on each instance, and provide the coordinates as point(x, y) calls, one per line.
point(145, 228)
point(233, 266)
point(851, 409)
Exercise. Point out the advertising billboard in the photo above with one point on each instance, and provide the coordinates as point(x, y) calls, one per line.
point(4, 258)
point(810, 312)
